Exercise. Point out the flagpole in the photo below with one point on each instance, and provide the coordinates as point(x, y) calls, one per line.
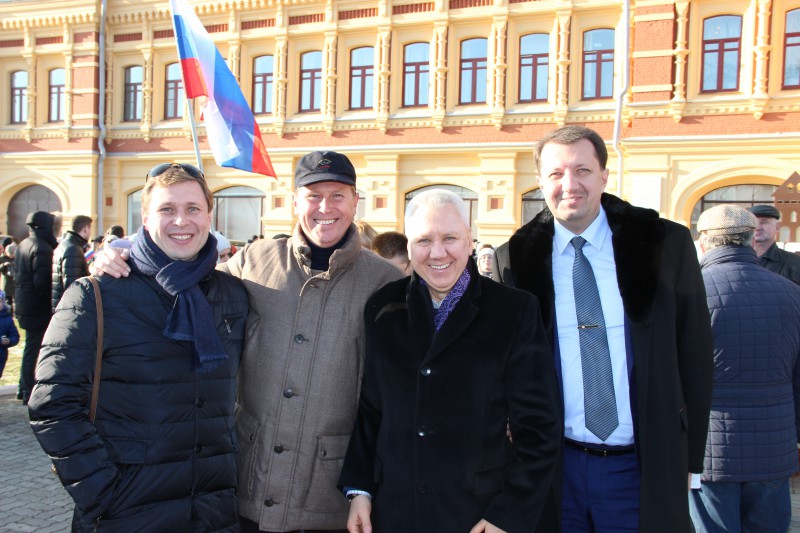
point(189, 101)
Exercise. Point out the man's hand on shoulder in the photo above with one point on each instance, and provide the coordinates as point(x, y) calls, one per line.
point(111, 261)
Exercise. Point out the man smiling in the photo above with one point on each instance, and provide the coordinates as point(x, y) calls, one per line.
point(452, 358)
point(304, 353)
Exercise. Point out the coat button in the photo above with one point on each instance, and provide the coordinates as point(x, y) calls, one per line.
point(299, 339)
point(288, 393)
point(423, 431)
point(278, 448)
point(252, 437)
point(269, 502)
point(422, 488)
point(425, 371)
point(199, 448)
point(199, 403)
point(323, 453)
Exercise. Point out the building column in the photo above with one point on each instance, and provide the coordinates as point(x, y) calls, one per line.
point(760, 97)
point(500, 65)
point(681, 52)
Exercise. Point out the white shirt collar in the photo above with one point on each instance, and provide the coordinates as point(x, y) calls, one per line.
point(596, 234)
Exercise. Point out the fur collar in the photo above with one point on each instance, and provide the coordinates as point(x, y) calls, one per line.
point(637, 237)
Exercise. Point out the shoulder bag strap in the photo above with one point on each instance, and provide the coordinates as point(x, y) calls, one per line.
point(99, 357)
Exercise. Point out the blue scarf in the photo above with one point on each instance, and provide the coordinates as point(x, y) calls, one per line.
point(191, 318)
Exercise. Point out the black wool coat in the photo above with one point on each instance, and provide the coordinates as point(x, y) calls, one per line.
point(160, 456)
point(430, 438)
point(668, 330)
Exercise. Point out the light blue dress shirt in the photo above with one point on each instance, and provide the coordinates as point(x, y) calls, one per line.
point(600, 253)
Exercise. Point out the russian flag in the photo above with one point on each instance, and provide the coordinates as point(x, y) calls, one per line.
point(233, 134)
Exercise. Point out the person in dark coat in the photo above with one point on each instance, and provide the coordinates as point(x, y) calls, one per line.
point(160, 455)
point(9, 335)
point(782, 262)
point(33, 274)
point(7, 273)
point(751, 450)
point(452, 358)
point(658, 334)
point(69, 262)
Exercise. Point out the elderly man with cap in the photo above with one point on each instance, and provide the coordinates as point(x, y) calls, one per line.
point(755, 413)
point(770, 256)
point(304, 353)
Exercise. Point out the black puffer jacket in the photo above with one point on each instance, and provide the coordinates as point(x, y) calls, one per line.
point(33, 273)
point(160, 456)
point(68, 265)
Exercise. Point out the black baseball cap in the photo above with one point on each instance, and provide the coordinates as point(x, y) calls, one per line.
point(324, 166)
point(764, 210)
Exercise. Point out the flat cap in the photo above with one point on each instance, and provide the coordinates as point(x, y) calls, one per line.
point(726, 219)
point(765, 211)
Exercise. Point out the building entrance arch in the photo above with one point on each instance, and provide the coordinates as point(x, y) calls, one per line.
point(29, 200)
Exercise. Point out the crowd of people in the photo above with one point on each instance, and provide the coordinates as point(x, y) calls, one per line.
point(588, 375)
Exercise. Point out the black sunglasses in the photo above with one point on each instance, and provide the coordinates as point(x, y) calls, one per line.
point(159, 169)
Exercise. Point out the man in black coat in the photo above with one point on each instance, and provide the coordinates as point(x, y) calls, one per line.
point(160, 455)
point(69, 263)
point(787, 264)
point(658, 341)
point(33, 267)
point(452, 359)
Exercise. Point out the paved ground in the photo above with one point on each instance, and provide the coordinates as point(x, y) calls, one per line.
point(31, 497)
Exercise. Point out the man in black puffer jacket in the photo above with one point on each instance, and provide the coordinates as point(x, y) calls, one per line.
point(751, 450)
point(33, 274)
point(160, 455)
point(68, 261)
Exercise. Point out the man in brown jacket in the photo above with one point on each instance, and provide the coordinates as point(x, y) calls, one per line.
point(304, 353)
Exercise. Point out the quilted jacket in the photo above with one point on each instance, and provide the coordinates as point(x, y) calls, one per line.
point(755, 317)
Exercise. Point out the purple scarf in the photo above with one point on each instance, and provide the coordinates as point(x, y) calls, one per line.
point(450, 301)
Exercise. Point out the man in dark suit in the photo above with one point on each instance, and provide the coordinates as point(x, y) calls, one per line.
point(636, 398)
point(451, 358)
point(787, 264)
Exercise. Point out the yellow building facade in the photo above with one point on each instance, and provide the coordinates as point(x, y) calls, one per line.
point(699, 102)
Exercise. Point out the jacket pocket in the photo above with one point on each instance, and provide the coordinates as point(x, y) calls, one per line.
point(127, 451)
point(323, 495)
point(489, 480)
point(248, 433)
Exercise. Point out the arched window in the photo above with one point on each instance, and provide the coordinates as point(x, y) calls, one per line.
point(598, 64)
point(19, 97)
point(469, 196)
point(362, 65)
point(721, 46)
point(416, 65)
point(473, 72)
point(262, 85)
point(310, 81)
point(173, 92)
point(532, 203)
point(743, 195)
point(30, 199)
point(238, 211)
point(57, 84)
point(534, 56)
point(132, 104)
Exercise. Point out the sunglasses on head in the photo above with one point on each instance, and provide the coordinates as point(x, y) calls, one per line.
point(159, 169)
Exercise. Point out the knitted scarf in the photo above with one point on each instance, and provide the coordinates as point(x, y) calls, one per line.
point(191, 318)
